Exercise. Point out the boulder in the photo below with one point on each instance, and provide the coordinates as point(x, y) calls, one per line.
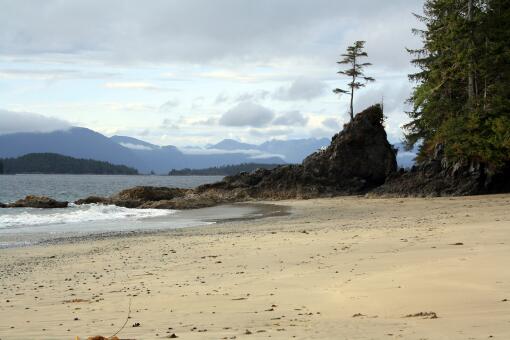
point(38, 202)
point(138, 196)
point(3, 205)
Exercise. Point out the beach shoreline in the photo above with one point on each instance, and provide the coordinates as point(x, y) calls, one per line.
point(333, 268)
point(179, 219)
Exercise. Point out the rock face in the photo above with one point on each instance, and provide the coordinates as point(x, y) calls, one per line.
point(360, 153)
point(37, 202)
point(358, 159)
point(438, 176)
point(138, 196)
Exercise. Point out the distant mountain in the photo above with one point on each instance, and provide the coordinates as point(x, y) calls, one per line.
point(51, 163)
point(231, 144)
point(75, 142)
point(161, 159)
point(145, 157)
point(133, 143)
point(292, 151)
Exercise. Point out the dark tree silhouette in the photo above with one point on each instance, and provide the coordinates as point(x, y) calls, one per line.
point(352, 58)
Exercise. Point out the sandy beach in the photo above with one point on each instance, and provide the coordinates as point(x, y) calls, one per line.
point(340, 268)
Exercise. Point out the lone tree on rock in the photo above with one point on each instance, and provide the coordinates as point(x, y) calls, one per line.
point(352, 58)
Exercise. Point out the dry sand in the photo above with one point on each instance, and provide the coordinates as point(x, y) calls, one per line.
point(342, 268)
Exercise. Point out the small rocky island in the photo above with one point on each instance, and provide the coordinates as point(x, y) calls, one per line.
point(359, 161)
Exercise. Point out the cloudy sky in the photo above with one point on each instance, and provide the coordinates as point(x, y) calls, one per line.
point(191, 72)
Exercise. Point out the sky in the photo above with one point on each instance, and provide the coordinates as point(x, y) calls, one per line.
point(193, 72)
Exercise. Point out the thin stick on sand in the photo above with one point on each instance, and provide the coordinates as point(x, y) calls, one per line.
point(125, 322)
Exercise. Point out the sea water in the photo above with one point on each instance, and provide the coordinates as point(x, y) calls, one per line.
point(22, 226)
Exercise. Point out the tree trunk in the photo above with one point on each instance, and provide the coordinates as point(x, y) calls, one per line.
point(471, 86)
point(352, 86)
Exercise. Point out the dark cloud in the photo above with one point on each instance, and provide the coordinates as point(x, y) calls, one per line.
point(291, 118)
point(247, 114)
point(12, 122)
point(203, 31)
point(301, 89)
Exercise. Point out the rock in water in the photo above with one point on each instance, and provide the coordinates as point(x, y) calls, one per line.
point(137, 196)
point(38, 202)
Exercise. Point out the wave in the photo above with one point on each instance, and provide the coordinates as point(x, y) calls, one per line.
point(76, 214)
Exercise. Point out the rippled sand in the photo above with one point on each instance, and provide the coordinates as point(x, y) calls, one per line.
point(342, 268)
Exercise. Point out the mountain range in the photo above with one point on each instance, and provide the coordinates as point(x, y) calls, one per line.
point(146, 157)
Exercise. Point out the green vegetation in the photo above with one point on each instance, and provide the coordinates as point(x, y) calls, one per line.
point(462, 97)
point(225, 170)
point(352, 58)
point(51, 163)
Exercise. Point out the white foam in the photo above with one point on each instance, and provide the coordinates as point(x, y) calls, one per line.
point(77, 214)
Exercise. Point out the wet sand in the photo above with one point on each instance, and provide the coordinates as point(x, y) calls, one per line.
point(341, 268)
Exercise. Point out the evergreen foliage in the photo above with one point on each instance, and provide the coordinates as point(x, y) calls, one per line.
point(462, 97)
point(352, 58)
point(51, 163)
point(225, 170)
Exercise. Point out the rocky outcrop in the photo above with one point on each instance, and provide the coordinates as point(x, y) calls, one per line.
point(437, 176)
point(358, 159)
point(3, 205)
point(38, 202)
point(142, 195)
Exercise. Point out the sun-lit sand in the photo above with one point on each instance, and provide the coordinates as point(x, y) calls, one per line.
point(342, 268)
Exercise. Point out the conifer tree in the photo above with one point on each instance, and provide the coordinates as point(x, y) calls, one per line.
point(352, 58)
point(462, 96)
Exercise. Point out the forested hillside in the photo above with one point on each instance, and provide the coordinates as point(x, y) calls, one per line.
point(227, 170)
point(51, 163)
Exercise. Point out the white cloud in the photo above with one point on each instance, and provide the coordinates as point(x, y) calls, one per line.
point(136, 146)
point(134, 86)
point(247, 114)
point(12, 122)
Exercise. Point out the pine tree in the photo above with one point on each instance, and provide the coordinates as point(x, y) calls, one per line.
point(462, 97)
point(352, 58)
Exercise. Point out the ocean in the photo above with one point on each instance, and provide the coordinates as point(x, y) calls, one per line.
point(26, 226)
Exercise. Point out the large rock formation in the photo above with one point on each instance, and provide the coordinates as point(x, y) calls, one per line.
point(358, 159)
point(438, 176)
point(37, 202)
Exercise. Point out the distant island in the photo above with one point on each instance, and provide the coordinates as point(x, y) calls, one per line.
point(52, 163)
point(225, 170)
